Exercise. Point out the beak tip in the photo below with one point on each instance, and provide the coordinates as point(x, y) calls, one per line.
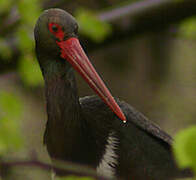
point(123, 118)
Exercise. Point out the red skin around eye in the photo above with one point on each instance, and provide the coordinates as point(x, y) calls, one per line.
point(59, 33)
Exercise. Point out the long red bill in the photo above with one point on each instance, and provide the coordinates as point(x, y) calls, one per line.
point(72, 51)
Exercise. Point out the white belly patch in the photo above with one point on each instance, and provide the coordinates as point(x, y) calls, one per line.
point(110, 158)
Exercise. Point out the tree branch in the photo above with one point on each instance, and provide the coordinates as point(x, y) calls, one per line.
point(63, 167)
point(177, 8)
point(142, 17)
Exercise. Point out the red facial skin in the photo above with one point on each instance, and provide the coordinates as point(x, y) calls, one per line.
point(72, 51)
point(58, 33)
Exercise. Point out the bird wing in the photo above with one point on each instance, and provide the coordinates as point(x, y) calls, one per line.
point(143, 122)
point(146, 150)
point(133, 116)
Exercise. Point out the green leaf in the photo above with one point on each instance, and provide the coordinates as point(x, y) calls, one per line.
point(185, 148)
point(10, 139)
point(91, 26)
point(5, 5)
point(10, 114)
point(188, 28)
point(10, 105)
point(30, 71)
point(74, 178)
point(26, 42)
point(29, 11)
point(5, 50)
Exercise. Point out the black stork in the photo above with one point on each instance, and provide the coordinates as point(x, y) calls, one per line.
point(105, 134)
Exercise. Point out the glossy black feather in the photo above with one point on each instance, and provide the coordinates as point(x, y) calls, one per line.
point(144, 150)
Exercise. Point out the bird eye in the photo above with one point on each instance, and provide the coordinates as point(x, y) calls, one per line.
point(54, 28)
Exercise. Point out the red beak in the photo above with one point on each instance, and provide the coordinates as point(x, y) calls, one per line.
point(72, 51)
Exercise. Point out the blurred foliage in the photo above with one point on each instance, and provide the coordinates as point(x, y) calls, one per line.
point(185, 148)
point(5, 5)
point(91, 26)
point(10, 115)
point(188, 28)
point(74, 178)
point(5, 51)
point(28, 68)
point(30, 71)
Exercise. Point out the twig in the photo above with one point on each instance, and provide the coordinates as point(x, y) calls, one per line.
point(63, 167)
point(141, 8)
point(142, 17)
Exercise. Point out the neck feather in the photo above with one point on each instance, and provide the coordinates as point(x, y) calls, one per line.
point(62, 98)
point(64, 127)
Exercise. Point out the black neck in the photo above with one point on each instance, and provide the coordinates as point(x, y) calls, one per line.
point(62, 100)
point(65, 123)
point(67, 136)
